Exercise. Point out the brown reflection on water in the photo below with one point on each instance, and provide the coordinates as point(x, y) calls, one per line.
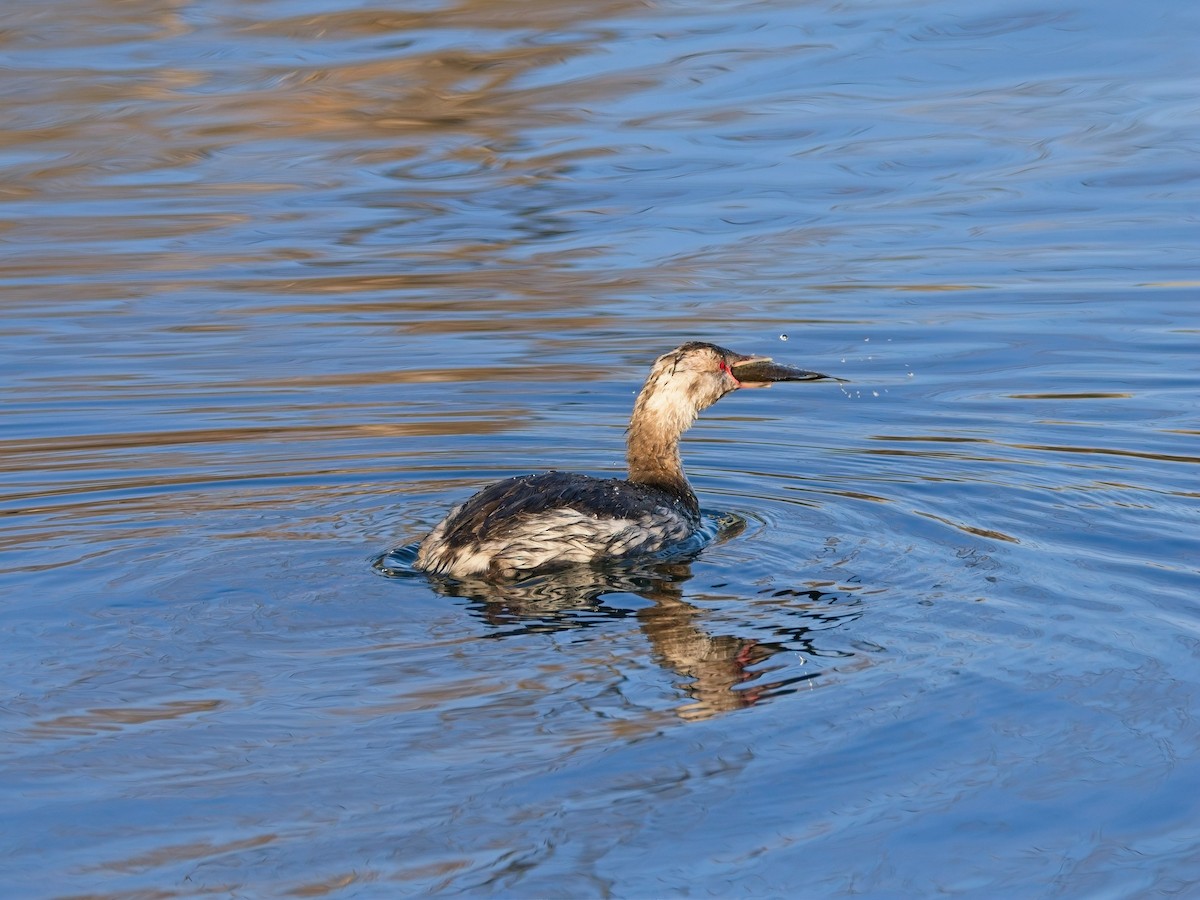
point(1084, 395)
point(173, 854)
point(719, 673)
point(187, 172)
point(717, 669)
point(1110, 451)
point(462, 85)
point(976, 530)
point(118, 718)
point(1041, 448)
point(12, 454)
point(465, 86)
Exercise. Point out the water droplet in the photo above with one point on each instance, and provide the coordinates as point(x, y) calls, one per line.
point(874, 393)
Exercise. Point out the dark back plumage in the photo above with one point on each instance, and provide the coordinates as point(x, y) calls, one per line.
point(496, 508)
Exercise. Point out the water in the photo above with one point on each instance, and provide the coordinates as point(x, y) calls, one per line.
point(284, 281)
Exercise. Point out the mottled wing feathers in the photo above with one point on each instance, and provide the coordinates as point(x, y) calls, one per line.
point(499, 506)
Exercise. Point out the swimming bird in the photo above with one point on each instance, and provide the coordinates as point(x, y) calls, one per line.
point(530, 523)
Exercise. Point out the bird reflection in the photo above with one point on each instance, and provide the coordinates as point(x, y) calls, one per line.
point(718, 672)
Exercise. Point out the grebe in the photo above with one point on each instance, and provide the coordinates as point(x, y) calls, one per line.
point(517, 526)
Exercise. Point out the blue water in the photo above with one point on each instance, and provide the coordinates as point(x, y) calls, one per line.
point(283, 282)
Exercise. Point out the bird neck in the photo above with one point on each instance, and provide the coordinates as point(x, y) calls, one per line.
point(652, 453)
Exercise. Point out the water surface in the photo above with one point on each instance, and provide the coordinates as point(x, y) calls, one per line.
point(283, 281)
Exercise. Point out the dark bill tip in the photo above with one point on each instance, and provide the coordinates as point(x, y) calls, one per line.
point(766, 371)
